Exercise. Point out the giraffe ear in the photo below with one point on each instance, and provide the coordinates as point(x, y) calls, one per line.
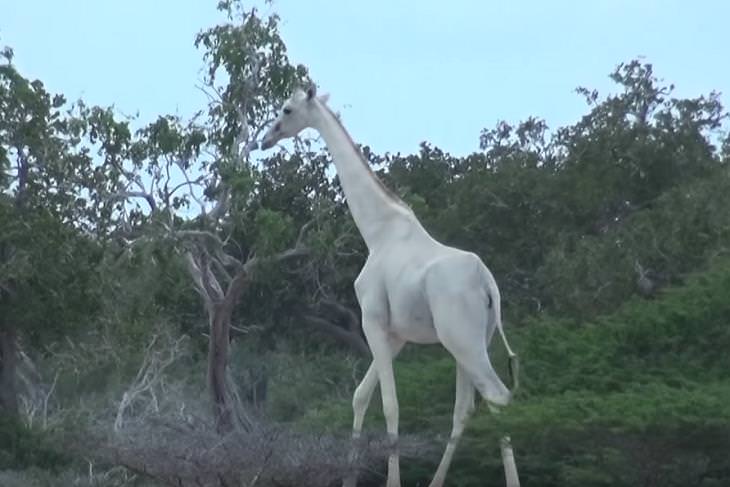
point(311, 92)
point(323, 98)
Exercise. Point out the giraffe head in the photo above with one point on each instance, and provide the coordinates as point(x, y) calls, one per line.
point(298, 113)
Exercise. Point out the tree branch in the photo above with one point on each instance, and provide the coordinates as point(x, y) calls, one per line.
point(187, 182)
point(198, 275)
point(149, 376)
point(190, 185)
point(349, 338)
point(136, 194)
point(349, 315)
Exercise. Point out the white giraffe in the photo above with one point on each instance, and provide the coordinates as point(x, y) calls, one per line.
point(411, 289)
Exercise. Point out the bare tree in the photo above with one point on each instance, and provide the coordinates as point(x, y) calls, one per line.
point(35, 394)
point(220, 279)
point(194, 179)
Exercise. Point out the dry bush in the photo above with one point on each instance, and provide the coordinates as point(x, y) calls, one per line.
point(180, 453)
point(89, 477)
point(152, 426)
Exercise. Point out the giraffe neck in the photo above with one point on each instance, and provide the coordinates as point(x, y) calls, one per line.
point(377, 211)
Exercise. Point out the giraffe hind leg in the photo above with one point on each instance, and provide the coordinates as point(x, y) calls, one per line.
point(463, 406)
point(461, 324)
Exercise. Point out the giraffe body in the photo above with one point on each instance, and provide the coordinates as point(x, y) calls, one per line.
point(411, 288)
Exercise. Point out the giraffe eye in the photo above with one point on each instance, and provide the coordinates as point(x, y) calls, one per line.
point(287, 111)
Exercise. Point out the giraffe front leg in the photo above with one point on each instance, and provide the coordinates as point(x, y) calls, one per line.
point(379, 342)
point(364, 392)
point(360, 402)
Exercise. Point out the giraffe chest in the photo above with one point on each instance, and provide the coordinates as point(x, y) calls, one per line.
point(396, 274)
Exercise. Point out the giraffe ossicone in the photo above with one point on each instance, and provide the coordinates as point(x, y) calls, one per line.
point(411, 288)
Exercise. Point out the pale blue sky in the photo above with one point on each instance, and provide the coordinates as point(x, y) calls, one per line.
point(399, 72)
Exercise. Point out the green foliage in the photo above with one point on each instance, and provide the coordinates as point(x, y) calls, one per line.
point(49, 271)
point(639, 396)
point(683, 332)
point(22, 447)
point(274, 231)
point(54, 208)
point(145, 285)
point(252, 55)
point(298, 381)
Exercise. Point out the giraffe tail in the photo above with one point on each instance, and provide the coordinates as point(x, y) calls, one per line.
point(513, 363)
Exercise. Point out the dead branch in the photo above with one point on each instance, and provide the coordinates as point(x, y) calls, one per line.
point(329, 315)
point(348, 314)
point(200, 235)
point(221, 206)
point(136, 194)
point(35, 395)
point(187, 183)
point(149, 377)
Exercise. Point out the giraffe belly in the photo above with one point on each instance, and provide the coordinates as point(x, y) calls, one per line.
point(415, 333)
point(410, 319)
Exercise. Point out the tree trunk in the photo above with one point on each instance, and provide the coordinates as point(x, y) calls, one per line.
point(220, 305)
point(220, 323)
point(8, 364)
